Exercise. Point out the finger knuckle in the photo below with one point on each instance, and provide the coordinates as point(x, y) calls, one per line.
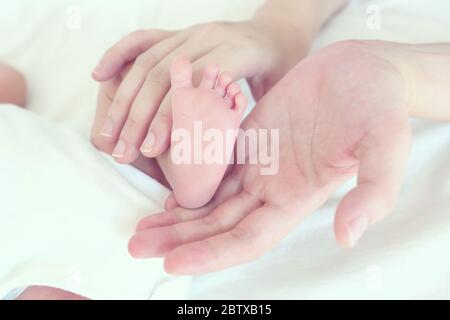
point(131, 124)
point(192, 29)
point(214, 221)
point(241, 234)
point(208, 29)
point(157, 77)
point(212, 27)
point(177, 215)
point(161, 119)
point(145, 61)
point(119, 105)
point(239, 43)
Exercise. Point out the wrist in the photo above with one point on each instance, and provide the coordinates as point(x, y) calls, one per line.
point(304, 17)
point(288, 42)
point(426, 73)
point(287, 24)
point(293, 25)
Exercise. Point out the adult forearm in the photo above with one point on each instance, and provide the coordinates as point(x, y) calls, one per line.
point(430, 89)
point(426, 70)
point(293, 25)
point(305, 16)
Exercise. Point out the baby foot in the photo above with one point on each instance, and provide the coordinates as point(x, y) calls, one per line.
point(213, 111)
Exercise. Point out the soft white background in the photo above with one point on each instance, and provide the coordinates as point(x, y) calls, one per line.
point(406, 256)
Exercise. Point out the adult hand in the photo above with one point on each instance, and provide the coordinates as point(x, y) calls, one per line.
point(107, 92)
point(258, 50)
point(341, 112)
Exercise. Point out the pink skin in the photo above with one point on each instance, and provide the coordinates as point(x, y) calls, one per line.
point(47, 293)
point(12, 86)
point(217, 104)
point(139, 118)
point(224, 106)
point(108, 90)
point(341, 112)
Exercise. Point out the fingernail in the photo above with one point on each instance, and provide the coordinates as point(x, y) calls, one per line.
point(148, 144)
point(119, 151)
point(356, 229)
point(108, 128)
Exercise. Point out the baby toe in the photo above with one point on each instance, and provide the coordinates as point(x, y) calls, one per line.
point(232, 91)
point(240, 102)
point(224, 81)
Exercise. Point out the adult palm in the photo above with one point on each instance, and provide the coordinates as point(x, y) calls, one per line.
point(341, 112)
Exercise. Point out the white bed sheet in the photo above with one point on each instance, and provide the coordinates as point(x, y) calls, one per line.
point(405, 256)
point(67, 214)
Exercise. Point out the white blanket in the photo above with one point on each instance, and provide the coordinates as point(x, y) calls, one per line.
point(67, 214)
point(406, 256)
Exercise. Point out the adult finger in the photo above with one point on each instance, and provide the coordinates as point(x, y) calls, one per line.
point(158, 241)
point(153, 92)
point(127, 50)
point(171, 203)
point(229, 188)
point(105, 96)
point(157, 85)
point(380, 175)
point(260, 231)
point(131, 85)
